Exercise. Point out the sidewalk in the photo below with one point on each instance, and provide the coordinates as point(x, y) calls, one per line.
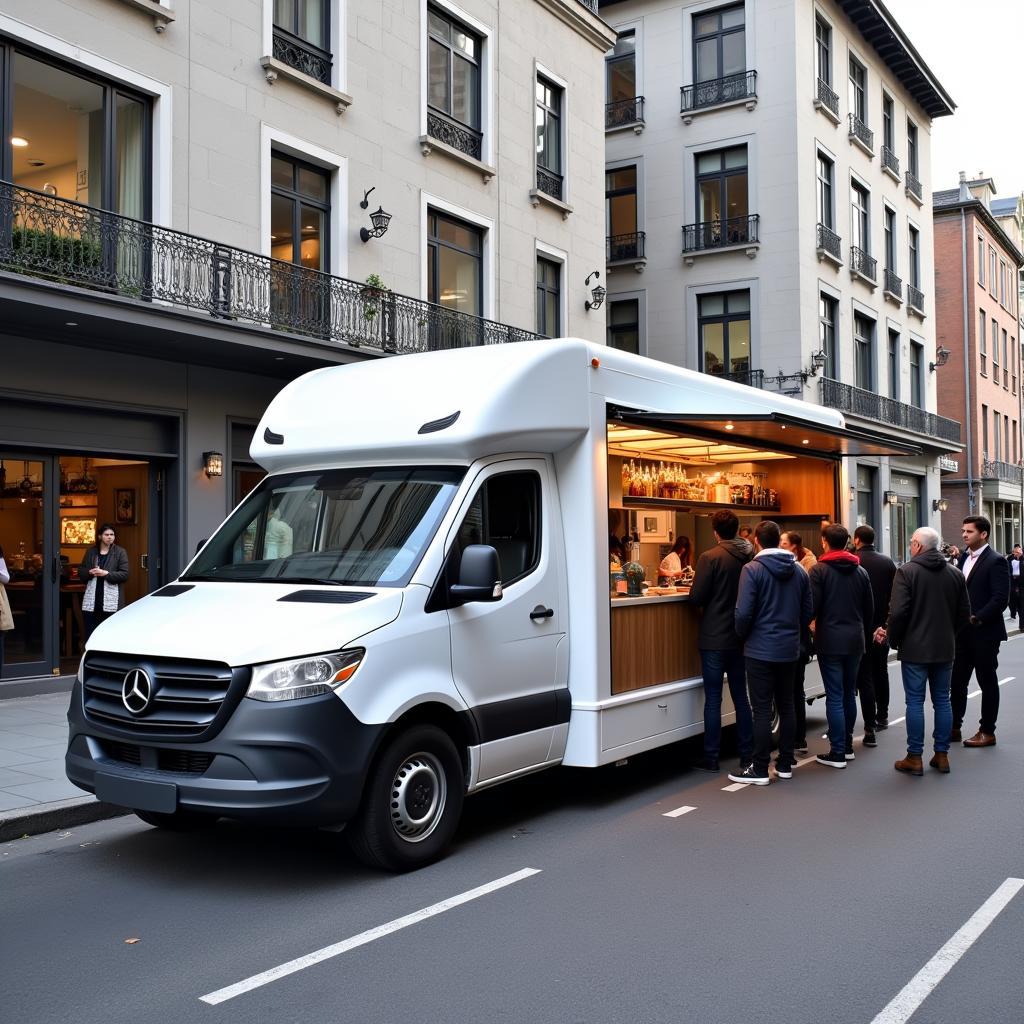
point(35, 795)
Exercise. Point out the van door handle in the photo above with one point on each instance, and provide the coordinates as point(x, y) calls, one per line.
point(540, 612)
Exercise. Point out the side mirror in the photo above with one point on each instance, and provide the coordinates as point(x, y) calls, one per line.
point(479, 575)
point(201, 544)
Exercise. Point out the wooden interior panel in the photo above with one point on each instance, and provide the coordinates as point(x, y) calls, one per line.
point(805, 486)
point(653, 644)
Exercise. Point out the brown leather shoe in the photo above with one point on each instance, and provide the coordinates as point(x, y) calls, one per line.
point(956, 736)
point(911, 765)
point(940, 761)
point(981, 739)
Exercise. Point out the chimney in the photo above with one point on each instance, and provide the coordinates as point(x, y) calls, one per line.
point(965, 193)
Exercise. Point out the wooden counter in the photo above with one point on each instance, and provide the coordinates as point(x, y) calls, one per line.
point(654, 640)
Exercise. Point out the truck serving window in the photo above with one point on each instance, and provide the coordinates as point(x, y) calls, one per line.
point(360, 527)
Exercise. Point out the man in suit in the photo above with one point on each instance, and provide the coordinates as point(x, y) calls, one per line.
point(977, 645)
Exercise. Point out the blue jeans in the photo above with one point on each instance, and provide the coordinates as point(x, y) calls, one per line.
point(715, 664)
point(839, 674)
point(936, 675)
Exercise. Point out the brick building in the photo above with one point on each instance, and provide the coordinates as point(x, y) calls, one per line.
point(977, 264)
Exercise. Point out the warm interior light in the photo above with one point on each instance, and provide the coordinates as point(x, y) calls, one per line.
point(729, 426)
point(805, 441)
point(18, 141)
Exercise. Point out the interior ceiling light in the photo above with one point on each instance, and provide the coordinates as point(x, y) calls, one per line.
point(806, 441)
point(17, 140)
point(37, 163)
point(729, 426)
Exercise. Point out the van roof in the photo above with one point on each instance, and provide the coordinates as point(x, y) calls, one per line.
point(463, 404)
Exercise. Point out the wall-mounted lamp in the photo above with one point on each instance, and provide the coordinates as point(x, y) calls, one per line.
point(939, 504)
point(892, 498)
point(818, 361)
point(942, 355)
point(213, 463)
point(597, 294)
point(853, 493)
point(379, 219)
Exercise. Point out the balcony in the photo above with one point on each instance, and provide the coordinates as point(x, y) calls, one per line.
point(893, 287)
point(168, 274)
point(591, 5)
point(826, 100)
point(913, 187)
point(915, 299)
point(829, 245)
point(720, 235)
point(302, 56)
point(868, 405)
point(752, 378)
point(996, 469)
point(862, 135)
point(627, 113)
point(458, 136)
point(863, 266)
point(891, 163)
point(718, 92)
point(626, 249)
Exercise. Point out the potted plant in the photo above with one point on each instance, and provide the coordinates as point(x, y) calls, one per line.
point(372, 292)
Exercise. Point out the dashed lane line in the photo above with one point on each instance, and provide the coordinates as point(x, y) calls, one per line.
point(363, 938)
point(678, 812)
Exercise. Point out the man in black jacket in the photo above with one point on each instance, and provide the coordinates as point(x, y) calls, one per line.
point(977, 646)
point(929, 607)
point(843, 611)
point(873, 675)
point(715, 582)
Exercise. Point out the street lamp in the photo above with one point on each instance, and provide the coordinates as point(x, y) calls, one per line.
point(379, 219)
point(942, 355)
point(597, 294)
point(892, 498)
point(939, 504)
point(213, 464)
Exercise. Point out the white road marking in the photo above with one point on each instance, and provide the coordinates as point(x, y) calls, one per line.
point(678, 812)
point(310, 959)
point(914, 993)
point(734, 787)
point(1008, 679)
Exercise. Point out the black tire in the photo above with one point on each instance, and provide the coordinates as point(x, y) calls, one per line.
point(412, 802)
point(176, 821)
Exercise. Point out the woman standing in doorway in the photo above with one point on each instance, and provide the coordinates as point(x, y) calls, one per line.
point(6, 619)
point(104, 569)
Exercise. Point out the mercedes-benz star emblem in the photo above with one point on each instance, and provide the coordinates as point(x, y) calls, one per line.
point(136, 691)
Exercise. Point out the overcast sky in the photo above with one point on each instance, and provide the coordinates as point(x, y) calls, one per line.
point(976, 50)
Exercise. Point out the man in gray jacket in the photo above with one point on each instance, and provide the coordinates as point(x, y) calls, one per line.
point(929, 606)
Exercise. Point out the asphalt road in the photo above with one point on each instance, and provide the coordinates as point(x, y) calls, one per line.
point(816, 899)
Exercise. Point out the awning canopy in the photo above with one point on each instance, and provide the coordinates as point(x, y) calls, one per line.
point(771, 430)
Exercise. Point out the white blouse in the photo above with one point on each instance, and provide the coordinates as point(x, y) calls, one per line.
point(670, 564)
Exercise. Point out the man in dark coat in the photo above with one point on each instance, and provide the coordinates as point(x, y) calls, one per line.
point(715, 583)
point(873, 675)
point(977, 646)
point(929, 607)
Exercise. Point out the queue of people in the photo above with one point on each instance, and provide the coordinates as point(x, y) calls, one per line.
point(764, 612)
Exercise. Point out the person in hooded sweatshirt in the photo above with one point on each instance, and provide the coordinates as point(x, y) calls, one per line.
point(843, 619)
point(773, 606)
point(715, 583)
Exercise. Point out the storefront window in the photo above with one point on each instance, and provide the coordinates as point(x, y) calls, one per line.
point(905, 515)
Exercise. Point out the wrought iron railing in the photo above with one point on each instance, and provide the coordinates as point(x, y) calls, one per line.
point(64, 241)
point(619, 248)
point(893, 284)
point(716, 234)
point(829, 242)
point(549, 182)
point(890, 161)
point(624, 112)
point(915, 298)
point(867, 404)
point(591, 5)
point(863, 264)
point(996, 469)
point(828, 97)
point(719, 90)
point(302, 55)
point(860, 131)
point(913, 182)
point(752, 378)
point(459, 136)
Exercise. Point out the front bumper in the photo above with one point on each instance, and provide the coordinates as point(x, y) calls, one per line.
point(301, 762)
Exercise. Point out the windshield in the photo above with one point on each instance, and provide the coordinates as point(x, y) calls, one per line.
point(365, 527)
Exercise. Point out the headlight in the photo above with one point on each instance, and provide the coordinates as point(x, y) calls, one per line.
point(304, 677)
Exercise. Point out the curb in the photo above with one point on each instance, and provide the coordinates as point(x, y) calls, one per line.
point(33, 821)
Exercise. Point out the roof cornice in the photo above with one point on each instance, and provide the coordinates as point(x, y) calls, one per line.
point(976, 206)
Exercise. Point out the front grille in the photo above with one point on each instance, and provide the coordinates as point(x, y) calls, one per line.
point(124, 753)
point(182, 762)
point(188, 700)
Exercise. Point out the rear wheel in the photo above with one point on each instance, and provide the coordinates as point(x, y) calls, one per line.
point(176, 821)
point(412, 803)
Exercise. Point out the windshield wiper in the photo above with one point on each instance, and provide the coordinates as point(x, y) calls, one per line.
point(300, 579)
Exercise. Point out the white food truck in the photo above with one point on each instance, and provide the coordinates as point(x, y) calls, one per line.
point(416, 603)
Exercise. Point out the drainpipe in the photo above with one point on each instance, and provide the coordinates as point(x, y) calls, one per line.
point(965, 196)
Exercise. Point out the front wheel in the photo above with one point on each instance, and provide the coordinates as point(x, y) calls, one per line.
point(412, 803)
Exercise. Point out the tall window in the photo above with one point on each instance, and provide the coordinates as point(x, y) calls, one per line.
point(621, 210)
point(995, 350)
point(914, 253)
point(912, 165)
point(984, 432)
point(865, 495)
point(299, 212)
point(982, 343)
point(1016, 362)
point(826, 191)
point(828, 318)
point(981, 260)
point(864, 352)
point(916, 374)
point(858, 91)
point(549, 297)
point(1006, 361)
point(992, 284)
point(823, 49)
point(454, 263)
point(453, 96)
point(894, 364)
point(890, 240)
point(722, 195)
point(301, 36)
point(859, 210)
point(549, 137)
point(723, 325)
point(1002, 283)
point(624, 325)
point(887, 122)
point(620, 69)
point(719, 44)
